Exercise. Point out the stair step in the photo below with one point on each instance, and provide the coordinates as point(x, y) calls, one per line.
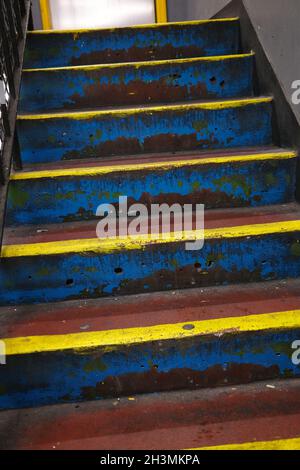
point(264, 415)
point(146, 310)
point(53, 263)
point(73, 88)
point(218, 180)
point(102, 133)
point(146, 355)
point(131, 44)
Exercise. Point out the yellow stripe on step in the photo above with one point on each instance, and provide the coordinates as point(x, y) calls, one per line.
point(111, 339)
point(280, 444)
point(138, 242)
point(139, 26)
point(153, 63)
point(165, 165)
point(130, 111)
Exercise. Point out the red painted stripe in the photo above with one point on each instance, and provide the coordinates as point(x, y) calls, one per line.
point(213, 219)
point(173, 420)
point(150, 158)
point(149, 309)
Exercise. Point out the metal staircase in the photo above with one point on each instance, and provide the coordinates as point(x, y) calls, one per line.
point(137, 342)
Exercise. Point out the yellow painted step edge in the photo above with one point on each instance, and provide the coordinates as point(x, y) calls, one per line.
point(104, 170)
point(139, 26)
point(138, 242)
point(121, 337)
point(137, 65)
point(279, 444)
point(126, 112)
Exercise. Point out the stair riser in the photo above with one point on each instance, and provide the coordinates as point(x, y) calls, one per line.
point(76, 198)
point(123, 370)
point(129, 85)
point(131, 44)
point(172, 130)
point(91, 274)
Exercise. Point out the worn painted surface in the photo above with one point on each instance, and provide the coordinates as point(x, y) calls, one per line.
point(146, 310)
point(131, 44)
point(251, 348)
point(147, 82)
point(83, 351)
point(93, 268)
point(263, 411)
point(255, 180)
point(170, 128)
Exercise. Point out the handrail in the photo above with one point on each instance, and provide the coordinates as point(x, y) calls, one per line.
point(14, 20)
point(46, 14)
point(161, 10)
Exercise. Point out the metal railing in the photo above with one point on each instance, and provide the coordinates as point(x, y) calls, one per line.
point(15, 16)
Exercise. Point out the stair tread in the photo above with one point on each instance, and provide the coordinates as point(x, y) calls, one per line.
point(254, 413)
point(147, 310)
point(151, 158)
point(214, 219)
point(89, 112)
point(145, 62)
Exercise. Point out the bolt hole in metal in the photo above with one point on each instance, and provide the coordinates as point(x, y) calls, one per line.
point(69, 282)
point(188, 327)
point(198, 267)
point(118, 270)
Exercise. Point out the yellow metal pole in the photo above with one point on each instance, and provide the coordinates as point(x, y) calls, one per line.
point(46, 14)
point(161, 11)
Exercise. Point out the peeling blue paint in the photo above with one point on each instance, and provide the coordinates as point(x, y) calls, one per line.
point(126, 44)
point(55, 200)
point(73, 89)
point(59, 377)
point(157, 267)
point(49, 140)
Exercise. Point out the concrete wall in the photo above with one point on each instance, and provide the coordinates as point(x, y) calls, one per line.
point(277, 26)
point(179, 10)
point(36, 14)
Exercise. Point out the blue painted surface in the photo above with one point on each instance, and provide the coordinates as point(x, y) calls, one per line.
point(55, 200)
point(127, 44)
point(75, 89)
point(160, 267)
point(49, 140)
point(66, 376)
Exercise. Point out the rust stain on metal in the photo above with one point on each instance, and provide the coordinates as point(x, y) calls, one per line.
point(135, 92)
point(155, 381)
point(137, 54)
